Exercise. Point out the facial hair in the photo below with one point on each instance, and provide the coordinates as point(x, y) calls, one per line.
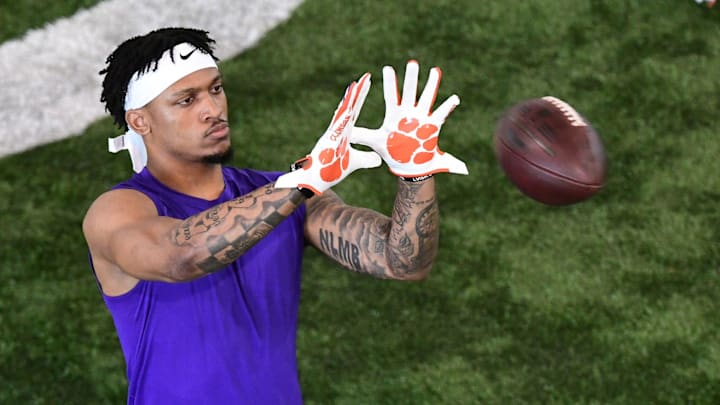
point(220, 158)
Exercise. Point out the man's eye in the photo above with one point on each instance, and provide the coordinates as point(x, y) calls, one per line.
point(217, 88)
point(186, 101)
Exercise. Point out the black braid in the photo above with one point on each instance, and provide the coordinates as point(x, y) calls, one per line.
point(142, 53)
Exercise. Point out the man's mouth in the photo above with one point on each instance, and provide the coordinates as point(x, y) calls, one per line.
point(219, 130)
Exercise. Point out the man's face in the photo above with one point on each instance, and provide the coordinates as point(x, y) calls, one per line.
point(188, 120)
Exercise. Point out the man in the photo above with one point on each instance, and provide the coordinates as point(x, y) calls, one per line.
point(199, 264)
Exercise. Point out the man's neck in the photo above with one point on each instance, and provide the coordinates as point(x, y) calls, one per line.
point(201, 180)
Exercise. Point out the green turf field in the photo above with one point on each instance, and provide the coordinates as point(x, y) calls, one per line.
point(16, 17)
point(612, 301)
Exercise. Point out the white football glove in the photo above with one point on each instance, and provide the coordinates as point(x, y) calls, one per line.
point(408, 137)
point(332, 159)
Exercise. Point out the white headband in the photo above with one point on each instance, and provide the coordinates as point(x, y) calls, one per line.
point(174, 64)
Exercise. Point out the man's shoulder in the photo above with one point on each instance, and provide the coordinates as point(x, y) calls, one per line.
point(113, 210)
point(118, 200)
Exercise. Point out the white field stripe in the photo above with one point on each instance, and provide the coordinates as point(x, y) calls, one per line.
point(49, 82)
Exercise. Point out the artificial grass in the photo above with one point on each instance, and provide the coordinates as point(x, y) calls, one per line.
point(613, 300)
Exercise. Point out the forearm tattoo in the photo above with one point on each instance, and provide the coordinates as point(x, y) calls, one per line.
point(228, 230)
point(413, 240)
point(375, 244)
point(364, 246)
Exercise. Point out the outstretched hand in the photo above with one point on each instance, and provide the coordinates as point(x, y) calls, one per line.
point(332, 159)
point(408, 137)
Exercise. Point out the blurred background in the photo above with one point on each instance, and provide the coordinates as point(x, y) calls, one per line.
point(613, 300)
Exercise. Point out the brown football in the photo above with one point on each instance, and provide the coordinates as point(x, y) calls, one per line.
point(550, 152)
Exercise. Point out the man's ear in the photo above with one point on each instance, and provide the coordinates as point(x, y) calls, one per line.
point(137, 121)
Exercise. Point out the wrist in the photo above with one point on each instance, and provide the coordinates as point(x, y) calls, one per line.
point(298, 164)
point(306, 192)
point(417, 179)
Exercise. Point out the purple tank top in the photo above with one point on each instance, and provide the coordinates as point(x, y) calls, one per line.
point(225, 338)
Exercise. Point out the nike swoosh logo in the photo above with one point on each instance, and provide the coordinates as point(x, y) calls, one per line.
point(184, 57)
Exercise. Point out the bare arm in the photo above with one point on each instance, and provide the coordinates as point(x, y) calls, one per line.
point(125, 234)
point(402, 247)
point(223, 233)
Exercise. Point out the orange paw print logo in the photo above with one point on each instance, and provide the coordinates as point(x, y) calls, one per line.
point(413, 141)
point(334, 161)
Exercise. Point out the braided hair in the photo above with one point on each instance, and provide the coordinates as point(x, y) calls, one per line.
point(142, 54)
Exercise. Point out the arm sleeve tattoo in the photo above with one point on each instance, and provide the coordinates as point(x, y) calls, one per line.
point(366, 241)
point(226, 231)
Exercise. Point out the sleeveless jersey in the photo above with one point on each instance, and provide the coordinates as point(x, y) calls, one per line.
point(225, 338)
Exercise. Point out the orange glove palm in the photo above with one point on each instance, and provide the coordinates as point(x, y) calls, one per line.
point(332, 159)
point(408, 137)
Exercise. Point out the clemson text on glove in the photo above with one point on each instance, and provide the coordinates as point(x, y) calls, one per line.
point(338, 131)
